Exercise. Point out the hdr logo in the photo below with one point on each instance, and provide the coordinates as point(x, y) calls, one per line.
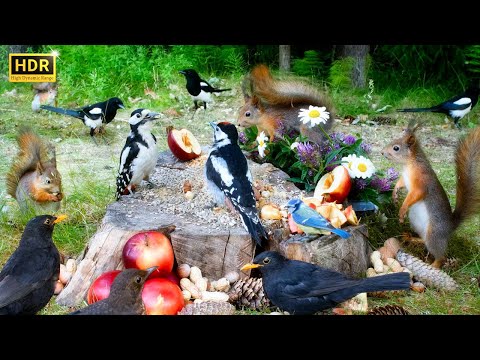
point(32, 68)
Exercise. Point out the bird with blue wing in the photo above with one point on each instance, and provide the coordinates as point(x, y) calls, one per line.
point(310, 221)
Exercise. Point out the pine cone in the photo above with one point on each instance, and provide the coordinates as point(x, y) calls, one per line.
point(208, 308)
point(248, 293)
point(425, 273)
point(388, 310)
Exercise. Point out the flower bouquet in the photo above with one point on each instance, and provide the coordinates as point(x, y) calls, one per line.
point(307, 162)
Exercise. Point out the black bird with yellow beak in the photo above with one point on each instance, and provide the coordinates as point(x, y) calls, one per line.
point(27, 281)
point(302, 288)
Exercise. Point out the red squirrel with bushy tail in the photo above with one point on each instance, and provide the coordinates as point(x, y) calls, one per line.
point(273, 105)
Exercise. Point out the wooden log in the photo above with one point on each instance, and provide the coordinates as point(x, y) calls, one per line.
point(349, 256)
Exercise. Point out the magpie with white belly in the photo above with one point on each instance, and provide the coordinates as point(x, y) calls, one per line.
point(139, 154)
point(199, 89)
point(456, 107)
point(94, 116)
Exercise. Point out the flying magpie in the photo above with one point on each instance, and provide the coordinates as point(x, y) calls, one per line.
point(456, 107)
point(94, 116)
point(199, 89)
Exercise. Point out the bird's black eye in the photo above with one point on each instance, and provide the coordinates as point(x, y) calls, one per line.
point(396, 148)
point(47, 222)
point(266, 260)
point(138, 279)
point(247, 114)
point(48, 181)
point(138, 115)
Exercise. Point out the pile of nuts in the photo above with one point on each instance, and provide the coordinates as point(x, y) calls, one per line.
point(384, 262)
point(198, 288)
point(66, 273)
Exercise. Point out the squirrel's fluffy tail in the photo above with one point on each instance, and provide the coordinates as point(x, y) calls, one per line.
point(277, 91)
point(31, 151)
point(467, 160)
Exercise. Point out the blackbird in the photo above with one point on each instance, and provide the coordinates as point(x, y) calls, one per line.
point(302, 288)
point(27, 281)
point(125, 296)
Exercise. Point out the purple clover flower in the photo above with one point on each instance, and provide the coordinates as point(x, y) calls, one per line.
point(360, 184)
point(337, 136)
point(242, 138)
point(380, 184)
point(308, 154)
point(349, 140)
point(392, 174)
point(366, 147)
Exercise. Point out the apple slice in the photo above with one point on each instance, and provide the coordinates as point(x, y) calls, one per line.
point(334, 186)
point(183, 144)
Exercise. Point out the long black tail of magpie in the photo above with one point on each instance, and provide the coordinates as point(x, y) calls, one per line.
point(75, 113)
point(429, 109)
point(220, 90)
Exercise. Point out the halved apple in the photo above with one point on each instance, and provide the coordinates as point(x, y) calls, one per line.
point(183, 144)
point(334, 186)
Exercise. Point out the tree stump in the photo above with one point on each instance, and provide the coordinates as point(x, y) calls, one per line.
point(350, 256)
point(202, 235)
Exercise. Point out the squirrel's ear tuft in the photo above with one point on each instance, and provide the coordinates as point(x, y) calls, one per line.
point(413, 125)
point(256, 102)
point(40, 168)
point(411, 140)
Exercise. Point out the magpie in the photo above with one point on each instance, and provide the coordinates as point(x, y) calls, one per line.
point(94, 116)
point(456, 107)
point(139, 154)
point(199, 89)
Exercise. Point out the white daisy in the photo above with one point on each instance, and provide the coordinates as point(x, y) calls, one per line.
point(363, 168)
point(348, 162)
point(314, 115)
point(261, 141)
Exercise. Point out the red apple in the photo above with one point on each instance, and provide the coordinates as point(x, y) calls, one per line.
point(334, 186)
point(100, 288)
point(183, 144)
point(162, 297)
point(165, 275)
point(147, 249)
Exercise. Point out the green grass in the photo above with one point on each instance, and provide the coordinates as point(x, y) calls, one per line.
point(89, 183)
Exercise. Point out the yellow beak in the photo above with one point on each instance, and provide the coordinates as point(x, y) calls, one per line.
point(59, 218)
point(250, 266)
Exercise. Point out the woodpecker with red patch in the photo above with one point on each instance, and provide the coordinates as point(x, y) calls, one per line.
point(229, 179)
point(139, 154)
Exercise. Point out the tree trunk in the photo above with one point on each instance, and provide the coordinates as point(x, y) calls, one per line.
point(359, 54)
point(17, 49)
point(284, 57)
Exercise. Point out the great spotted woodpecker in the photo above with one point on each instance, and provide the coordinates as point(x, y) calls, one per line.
point(94, 116)
point(456, 107)
point(199, 89)
point(228, 178)
point(139, 154)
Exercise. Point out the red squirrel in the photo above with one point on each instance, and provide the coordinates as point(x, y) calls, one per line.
point(273, 105)
point(33, 179)
point(427, 203)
